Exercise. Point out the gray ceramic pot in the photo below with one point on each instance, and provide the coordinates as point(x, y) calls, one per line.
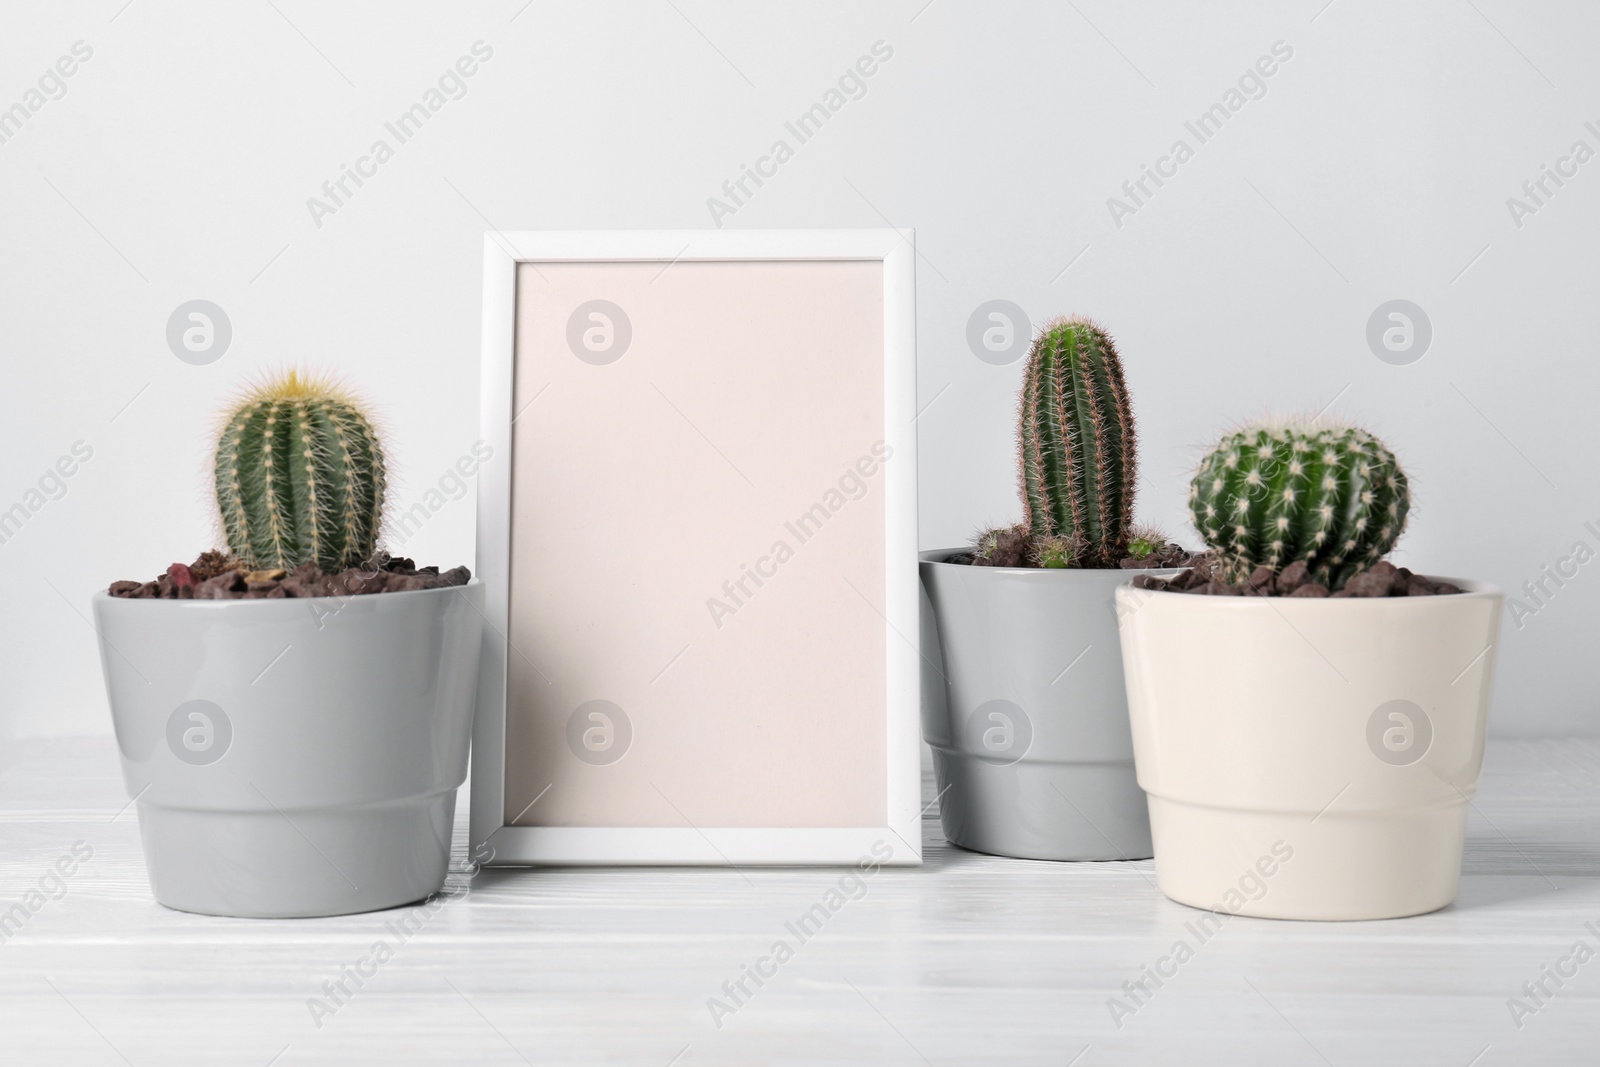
point(1026, 711)
point(293, 757)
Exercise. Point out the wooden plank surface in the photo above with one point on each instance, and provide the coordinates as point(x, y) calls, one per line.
point(970, 959)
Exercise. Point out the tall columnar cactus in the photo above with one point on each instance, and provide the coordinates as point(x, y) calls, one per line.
point(1271, 494)
point(1076, 443)
point(299, 476)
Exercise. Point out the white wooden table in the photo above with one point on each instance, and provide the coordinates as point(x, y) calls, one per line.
point(970, 959)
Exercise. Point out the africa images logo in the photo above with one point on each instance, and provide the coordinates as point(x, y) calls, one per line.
point(599, 332)
point(599, 732)
point(999, 732)
point(1399, 732)
point(199, 732)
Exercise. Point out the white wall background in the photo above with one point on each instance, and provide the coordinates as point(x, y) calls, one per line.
point(1377, 166)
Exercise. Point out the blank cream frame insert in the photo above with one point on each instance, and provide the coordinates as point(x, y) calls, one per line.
point(697, 530)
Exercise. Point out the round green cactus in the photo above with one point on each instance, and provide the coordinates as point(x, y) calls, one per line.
point(1076, 445)
point(299, 475)
point(1274, 493)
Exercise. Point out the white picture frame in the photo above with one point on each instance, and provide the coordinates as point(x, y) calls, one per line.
point(892, 833)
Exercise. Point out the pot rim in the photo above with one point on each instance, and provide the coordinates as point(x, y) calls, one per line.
point(218, 605)
point(1470, 590)
point(940, 557)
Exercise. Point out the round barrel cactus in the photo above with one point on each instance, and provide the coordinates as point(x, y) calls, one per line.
point(1076, 446)
point(1274, 493)
point(299, 475)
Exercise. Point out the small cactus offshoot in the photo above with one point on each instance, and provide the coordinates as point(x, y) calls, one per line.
point(1274, 493)
point(1003, 546)
point(1147, 541)
point(299, 476)
point(1055, 553)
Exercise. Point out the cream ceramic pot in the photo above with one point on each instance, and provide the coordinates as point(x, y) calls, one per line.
point(293, 757)
point(1309, 758)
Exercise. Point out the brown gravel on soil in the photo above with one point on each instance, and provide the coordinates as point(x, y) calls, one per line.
point(1381, 579)
point(1014, 553)
point(215, 576)
point(1171, 556)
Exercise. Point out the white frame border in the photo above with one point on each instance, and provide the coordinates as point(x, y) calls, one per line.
point(495, 843)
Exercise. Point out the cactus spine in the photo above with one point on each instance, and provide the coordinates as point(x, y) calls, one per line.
point(1272, 494)
point(1076, 444)
point(299, 477)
